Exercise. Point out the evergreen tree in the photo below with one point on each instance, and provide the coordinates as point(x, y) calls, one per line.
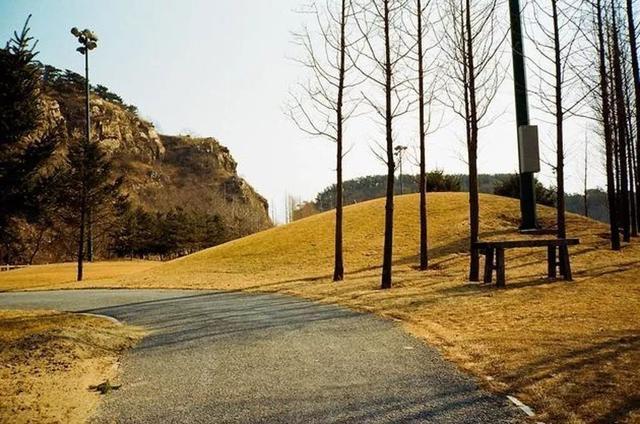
point(22, 154)
point(88, 184)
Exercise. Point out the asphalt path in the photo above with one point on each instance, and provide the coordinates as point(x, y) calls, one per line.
point(216, 357)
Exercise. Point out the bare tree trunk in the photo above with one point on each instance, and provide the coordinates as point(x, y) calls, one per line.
point(388, 217)
point(472, 148)
point(636, 182)
point(630, 158)
point(636, 85)
point(338, 268)
point(621, 124)
point(424, 253)
point(628, 128)
point(586, 179)
point(562, 231)
point(608, 138)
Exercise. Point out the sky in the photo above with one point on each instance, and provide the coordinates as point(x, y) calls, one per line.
point(224, 68)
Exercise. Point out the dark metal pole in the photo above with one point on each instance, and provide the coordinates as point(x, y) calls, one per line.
point(89, 224)
point(83, 200)
point(527, 188)
point(86, 79)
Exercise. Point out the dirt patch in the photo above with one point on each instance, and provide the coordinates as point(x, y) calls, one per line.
point(49, 360)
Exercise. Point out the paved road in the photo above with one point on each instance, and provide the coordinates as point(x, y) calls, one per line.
point(246, 358)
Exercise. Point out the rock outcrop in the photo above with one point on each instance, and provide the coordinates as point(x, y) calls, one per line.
point(163, 172)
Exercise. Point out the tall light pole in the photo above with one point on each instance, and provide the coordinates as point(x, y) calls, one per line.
point(400, 152)
point(88, 41)
point(527, 187)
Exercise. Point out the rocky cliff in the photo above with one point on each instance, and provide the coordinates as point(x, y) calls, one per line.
point(161, 172)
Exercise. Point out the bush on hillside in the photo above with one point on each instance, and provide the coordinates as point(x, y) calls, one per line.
point(510, 187)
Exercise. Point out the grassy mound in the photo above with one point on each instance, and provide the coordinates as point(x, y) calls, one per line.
point(303, 251)
point(570, 350)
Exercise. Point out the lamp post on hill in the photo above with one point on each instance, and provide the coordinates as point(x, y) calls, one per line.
point(400, 153)
point(88, 41)
point(527, 136)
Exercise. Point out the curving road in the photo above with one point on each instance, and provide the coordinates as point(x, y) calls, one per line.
point(253, 358)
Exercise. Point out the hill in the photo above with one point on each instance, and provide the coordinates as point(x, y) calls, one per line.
point(162, 173)
point(538, 340)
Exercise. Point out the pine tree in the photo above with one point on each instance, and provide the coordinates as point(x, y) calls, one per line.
point(22, 156)
point(88, 186)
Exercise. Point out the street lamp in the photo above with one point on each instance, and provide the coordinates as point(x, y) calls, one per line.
point(527, 135)
point(399, 153)
point(88, 41)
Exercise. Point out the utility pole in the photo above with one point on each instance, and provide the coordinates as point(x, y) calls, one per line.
point(527, 188)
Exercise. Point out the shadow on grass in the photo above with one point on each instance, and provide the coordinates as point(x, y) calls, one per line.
point(561, 370)
point(438, 255)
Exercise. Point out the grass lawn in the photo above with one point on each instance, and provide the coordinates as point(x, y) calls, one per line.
point(46, 276)
point(570, 350)
point(48, 361)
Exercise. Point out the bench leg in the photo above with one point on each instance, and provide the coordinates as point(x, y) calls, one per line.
point(561, 262)
point(474, 266)
point(500, 272)
point(565, 263)
point(551, 262)
point(488, 265)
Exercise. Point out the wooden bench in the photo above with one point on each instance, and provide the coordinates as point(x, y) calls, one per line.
point(557, 256)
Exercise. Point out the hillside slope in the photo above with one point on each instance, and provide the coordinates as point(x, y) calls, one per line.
point(303, 250)
point(570, 350)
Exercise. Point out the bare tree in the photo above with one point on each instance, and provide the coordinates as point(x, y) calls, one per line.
point(585, 180)
point(606, 125)
point(630, 134)
point(419, 31)
point(473, 51)
point(635, 71)
point(560, 30)
point(319, 107)
point(380, 23)
point(621, 118)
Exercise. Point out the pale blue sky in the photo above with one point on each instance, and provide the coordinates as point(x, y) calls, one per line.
point(220, 68)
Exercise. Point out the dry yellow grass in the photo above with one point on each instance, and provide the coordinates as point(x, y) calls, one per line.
point(46, 276)
point(49, 359)
point(570, 350)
